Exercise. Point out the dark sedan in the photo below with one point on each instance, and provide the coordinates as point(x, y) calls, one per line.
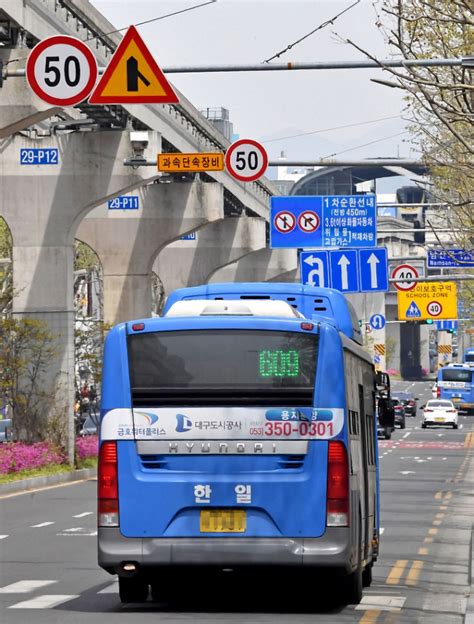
point(399, 413)
point(408, 401)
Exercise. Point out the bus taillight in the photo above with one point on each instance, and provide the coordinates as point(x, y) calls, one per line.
point(107, 481)
point(337, 513)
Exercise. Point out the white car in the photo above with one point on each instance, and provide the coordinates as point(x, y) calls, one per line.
point(440, 412)
point(434, 390)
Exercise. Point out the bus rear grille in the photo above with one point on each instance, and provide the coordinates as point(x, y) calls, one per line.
point(154, 462)
point(291, 462)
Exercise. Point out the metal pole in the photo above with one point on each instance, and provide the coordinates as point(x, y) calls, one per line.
point(366, 64)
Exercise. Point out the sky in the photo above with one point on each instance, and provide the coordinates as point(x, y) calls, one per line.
point(269, 106)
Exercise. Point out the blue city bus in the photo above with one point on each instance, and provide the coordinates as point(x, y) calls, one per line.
point(238, 431)
point(456, 384)
point(469, 356)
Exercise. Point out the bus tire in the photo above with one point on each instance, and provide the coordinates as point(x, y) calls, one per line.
point(387, 433)
point(133, 589)
point(367, 575)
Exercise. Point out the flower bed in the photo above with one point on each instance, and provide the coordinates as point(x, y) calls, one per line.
point(19, 457)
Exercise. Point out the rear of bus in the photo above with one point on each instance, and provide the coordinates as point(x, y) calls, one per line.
point(224, 445)
point(456, 384)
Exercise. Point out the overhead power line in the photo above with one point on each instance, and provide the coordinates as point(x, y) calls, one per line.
point(352, 125)
point(320, 27)
point(365, 144)
point(155, 19)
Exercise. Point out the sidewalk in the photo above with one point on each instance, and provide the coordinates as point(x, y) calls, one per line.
point(25, 485)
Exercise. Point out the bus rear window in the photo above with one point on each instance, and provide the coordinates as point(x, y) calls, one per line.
point(457, 375)
point(167, 366)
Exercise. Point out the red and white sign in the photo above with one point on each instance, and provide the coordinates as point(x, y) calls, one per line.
point(61, 70)
point(246, 160)
point(404, 271)
point(308, 221)
point(284, 221)
point(434, 308)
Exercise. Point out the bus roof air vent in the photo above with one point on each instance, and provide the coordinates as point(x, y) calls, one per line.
point(233, 307)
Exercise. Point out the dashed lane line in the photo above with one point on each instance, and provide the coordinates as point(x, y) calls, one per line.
point(23, 587)
point(370, 616)
point(376, 604)
point(3, 537)
point(44, 602)
point(84, 514)
point(42, 524)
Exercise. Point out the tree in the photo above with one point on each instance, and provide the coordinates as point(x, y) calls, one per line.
point(25, 352)
point(6, 274)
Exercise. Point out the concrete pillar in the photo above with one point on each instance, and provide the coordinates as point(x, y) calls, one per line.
point(127, 242)
point(19, 106)
point(260, 266)
point(189, 263)
point(42, 204)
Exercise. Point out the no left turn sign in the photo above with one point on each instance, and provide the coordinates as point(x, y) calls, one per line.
point(308, 221)
point(61, 70)
point(284, 222)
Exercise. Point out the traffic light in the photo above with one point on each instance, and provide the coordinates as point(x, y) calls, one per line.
point(429, 321)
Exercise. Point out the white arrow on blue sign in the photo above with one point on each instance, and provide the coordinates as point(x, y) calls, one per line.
point(377, 321)
point(349, 270)
point(344, 274)
point(373, 265)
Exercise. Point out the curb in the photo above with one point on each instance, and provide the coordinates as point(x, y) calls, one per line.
point(469, 617)
point(24, 485)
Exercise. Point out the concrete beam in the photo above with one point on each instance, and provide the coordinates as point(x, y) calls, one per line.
point(260, 266)
point(127, 242)
point(189, 263)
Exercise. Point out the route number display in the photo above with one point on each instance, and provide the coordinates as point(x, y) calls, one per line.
point(61, 70)
point(404, 271)
point(246, 160)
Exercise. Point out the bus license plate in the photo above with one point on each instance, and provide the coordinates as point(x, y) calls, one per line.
point(223, 521)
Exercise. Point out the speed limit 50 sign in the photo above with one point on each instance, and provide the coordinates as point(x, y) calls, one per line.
point(246, 160)
point(61, 70)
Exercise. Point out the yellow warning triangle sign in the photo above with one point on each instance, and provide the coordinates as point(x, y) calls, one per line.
point(132, 76)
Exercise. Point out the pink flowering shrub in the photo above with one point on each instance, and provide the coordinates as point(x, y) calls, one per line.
point(17, 456)
point(87, 447)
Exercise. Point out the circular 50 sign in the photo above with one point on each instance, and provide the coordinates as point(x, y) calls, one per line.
point(246, 160)
point(61, 70)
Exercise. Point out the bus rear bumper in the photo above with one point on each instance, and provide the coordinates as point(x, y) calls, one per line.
point(331, 550)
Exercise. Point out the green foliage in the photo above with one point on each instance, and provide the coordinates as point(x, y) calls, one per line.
point(85, 258)
point(26, 349)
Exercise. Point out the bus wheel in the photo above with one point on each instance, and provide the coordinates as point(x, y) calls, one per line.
point(353, 586)
point(133, 589)
point(367, 575)
point(388, 433)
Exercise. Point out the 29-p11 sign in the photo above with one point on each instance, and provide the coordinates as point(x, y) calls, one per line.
point(246, 160)
point(61, 70)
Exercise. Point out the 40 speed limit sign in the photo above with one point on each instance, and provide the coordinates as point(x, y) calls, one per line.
point(246, 160)
point(61, 70)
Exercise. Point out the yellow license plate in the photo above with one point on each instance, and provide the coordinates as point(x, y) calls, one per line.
point(439, 419)
point(223, 521)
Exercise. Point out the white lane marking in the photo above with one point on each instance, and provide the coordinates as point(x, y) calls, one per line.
point(382, 530)
point(383, 603)
point(73, 530)
point(406, 434)
point(83, 515)
point(461, 426)
point(407, 472)
point(3, 536)
point(77, 532)
point(44, 602)
point(42, 524)
point(23, 587)
point(110, 589)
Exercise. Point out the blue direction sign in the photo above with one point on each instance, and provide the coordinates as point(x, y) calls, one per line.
point(377, 321)
point(349, 270)
point(373, 264)
point(323, 221)
point(453, 258)
point(344, 274)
